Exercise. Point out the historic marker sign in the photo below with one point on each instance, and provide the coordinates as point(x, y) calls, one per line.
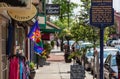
point(52, 9)
point(101, 13)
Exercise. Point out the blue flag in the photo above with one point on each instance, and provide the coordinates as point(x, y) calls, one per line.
point(35, 36)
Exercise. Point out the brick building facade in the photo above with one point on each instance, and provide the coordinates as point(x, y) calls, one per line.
point(117, 22)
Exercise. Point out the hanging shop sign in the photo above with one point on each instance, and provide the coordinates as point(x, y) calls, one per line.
point(52, 9)
point(46, 36)
point(35, 1)
point(41, 21)
point(15, 4)
point(23, 15)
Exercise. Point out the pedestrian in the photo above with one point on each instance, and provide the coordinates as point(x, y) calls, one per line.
point(57, 44)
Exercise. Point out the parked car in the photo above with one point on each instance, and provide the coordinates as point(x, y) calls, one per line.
point(88, 56)
point(114, 42)
point(85, 44)
point(65, 43)
point(106, 52)
point(117, 47)
point(110, 67)
point(108, 43)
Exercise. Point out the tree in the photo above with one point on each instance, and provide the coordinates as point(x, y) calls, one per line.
point(63, 17)
point(64, 8)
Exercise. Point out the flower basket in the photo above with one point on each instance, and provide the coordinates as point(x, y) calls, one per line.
point(52, 44)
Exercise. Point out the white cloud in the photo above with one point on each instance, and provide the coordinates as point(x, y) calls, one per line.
point(116, 5)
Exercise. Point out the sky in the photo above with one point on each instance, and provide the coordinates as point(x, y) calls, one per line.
point(116, 5)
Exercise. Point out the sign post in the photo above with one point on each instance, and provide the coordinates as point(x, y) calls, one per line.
point(101, 15)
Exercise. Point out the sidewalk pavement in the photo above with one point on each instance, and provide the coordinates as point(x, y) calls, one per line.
point(56, 68)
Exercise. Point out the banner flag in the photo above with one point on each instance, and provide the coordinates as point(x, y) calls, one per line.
point(35, 36)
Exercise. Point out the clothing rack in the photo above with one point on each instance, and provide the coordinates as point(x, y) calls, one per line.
point(18, 68)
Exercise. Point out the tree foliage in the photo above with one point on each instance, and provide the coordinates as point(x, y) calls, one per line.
point(62, 21)
point(64, 9)
point(82, 30)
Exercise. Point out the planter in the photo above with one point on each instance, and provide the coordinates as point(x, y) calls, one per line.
point(32, 74)
point(42, 61)
point(67, 60)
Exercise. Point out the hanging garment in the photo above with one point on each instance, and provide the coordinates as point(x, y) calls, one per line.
point(21, 69)
point(14, 68)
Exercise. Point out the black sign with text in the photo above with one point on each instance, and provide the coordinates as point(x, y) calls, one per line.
point(52, 9)
point(101, 13)
point(77, 72)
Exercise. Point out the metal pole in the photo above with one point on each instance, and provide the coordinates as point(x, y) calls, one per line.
point(68, 49)
point(101, 50)
point(37, 60)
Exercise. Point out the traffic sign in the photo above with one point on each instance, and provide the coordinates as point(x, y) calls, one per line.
point(101, 13)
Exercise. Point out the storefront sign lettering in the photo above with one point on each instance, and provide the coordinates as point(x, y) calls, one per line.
point(52, 9)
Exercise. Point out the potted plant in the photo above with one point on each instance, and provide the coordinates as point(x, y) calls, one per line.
point(42, 58)
point(76, 55)
point(48, 48)
point(32, 70)
point(52, 44)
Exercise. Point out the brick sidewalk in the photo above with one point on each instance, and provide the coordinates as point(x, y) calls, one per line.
point(57, 68)
point(56, 57)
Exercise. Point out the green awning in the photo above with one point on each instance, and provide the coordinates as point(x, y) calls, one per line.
point(50, 28)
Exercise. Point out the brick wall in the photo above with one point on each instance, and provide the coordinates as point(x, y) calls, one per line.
point(117, 21)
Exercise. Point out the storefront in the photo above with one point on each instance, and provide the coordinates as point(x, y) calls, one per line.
point(4, 20)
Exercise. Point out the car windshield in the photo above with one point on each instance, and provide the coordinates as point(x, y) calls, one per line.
point(86, 44)
point(113, 61)
point(107, 52)
point(89, 53)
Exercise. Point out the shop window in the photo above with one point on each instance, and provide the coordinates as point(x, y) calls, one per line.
point(20, 38)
